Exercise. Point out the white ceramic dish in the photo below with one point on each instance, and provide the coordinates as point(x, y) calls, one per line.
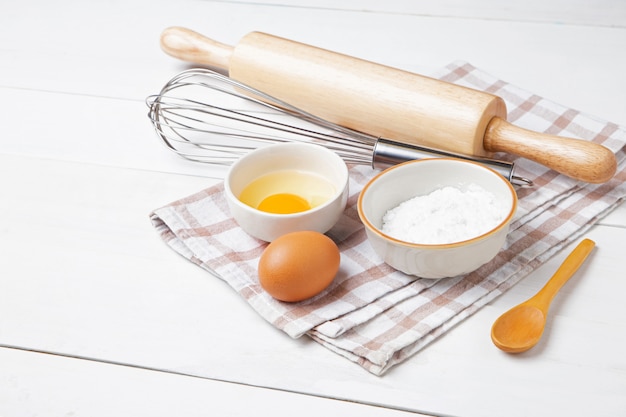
point(304, 157)
point(402, 182)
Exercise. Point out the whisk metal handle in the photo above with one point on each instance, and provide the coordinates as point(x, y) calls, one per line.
point(387, 153)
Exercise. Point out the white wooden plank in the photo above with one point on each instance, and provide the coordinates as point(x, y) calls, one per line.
point(83, 56)
point(38, 384)
point(579, 12)
point(88, 129)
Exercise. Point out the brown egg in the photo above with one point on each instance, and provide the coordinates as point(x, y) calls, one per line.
point(298, 265)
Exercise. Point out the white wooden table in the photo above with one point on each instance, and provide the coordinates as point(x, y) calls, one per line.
point(98, 317)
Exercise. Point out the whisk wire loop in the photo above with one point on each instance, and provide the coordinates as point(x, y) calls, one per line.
point(204, 116)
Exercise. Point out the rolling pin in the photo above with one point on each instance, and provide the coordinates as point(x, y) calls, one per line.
point(387, 102)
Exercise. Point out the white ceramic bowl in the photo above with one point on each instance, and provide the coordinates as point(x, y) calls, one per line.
point(303, 157)
point(417, 178)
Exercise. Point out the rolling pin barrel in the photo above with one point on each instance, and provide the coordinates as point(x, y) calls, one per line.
point(365, 96)
point(387, 102)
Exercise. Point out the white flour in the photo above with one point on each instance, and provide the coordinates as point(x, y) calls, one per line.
point(446, 215)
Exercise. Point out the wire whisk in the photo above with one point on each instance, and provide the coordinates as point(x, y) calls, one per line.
point(205, 116)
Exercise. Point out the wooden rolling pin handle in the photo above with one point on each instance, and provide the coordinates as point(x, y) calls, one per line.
point(190, 46)
point(576, 158)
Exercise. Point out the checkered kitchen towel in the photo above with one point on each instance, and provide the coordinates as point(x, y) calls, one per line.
point(374, 315)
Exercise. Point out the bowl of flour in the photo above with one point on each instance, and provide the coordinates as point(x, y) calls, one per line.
point(437, 218)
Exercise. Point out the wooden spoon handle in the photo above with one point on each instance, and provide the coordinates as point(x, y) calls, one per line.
point(190, 46)
point(576, 158)
point(567, 269)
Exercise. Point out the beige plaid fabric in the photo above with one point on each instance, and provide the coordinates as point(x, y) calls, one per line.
point(378, 317)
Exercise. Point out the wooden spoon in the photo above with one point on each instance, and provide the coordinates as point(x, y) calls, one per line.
point(521, 327)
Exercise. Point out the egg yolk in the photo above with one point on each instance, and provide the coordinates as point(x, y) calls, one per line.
point(287, 191)
point(284, 203)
